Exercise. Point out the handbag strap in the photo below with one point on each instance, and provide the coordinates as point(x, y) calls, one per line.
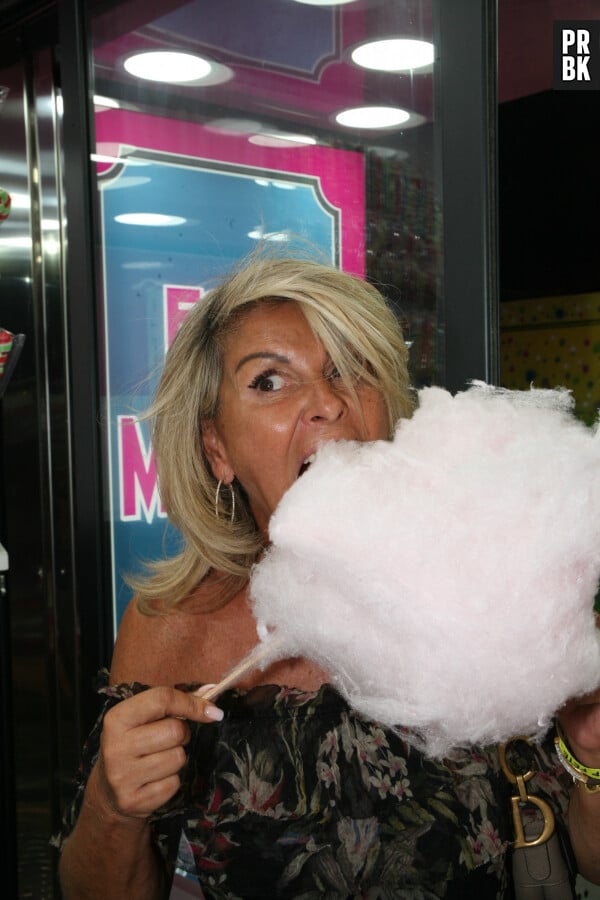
point(539, 867)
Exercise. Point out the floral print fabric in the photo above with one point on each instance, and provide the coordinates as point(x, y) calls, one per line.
point(294, 795)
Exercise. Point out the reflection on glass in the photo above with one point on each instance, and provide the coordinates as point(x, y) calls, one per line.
point(394, 54)
point(258, 148)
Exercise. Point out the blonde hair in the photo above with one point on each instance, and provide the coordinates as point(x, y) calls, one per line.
point(364, 341)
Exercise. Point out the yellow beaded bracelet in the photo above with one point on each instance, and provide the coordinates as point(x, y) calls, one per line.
point(589, 778)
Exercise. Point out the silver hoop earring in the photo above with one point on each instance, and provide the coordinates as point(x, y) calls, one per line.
point(232, 500)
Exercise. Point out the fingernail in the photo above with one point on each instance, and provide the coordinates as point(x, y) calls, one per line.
point(213, 712)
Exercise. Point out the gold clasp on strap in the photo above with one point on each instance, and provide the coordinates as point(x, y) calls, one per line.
point(524, 798)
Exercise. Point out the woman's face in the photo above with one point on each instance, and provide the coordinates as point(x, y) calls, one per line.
point(280, 398)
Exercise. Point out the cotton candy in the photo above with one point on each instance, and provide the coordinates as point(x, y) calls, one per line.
point(445, 579)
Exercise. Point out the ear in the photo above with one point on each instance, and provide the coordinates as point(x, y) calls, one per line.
point(216, 453)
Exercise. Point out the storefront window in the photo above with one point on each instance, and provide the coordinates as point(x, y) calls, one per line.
point(549, 282)
point(301, 123)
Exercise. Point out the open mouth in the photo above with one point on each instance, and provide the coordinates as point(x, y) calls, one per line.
point(306, 464)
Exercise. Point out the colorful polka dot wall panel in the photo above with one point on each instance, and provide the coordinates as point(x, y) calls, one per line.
point(549, 342)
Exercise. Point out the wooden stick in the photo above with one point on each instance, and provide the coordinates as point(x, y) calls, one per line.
point(251, 661)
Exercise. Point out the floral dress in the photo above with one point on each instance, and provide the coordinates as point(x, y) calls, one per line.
point(294, 795)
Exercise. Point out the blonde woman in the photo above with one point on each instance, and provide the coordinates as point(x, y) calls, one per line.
point(281, 790)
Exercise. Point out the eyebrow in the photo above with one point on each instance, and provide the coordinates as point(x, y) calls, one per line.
point(261, 354)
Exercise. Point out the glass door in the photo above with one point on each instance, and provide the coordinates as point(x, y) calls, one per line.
point(356, 130)
point(297, 123)
point(38, 681)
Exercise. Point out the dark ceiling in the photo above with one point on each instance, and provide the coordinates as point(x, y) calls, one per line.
point(548, 144)
point(525, 42)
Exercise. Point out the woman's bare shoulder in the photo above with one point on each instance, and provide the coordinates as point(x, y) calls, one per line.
point(189, 645)
point(150, 648)
point(193, 642)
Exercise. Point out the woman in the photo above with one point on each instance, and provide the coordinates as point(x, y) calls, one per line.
point(280, 790)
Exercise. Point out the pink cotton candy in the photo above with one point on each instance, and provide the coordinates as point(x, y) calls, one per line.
point(446, 579)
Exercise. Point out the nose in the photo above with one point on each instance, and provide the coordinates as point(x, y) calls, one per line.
point(325, 401)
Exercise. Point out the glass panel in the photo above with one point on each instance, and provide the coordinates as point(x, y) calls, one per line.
point(268, 140)
point(32, 444)
point(548, 192)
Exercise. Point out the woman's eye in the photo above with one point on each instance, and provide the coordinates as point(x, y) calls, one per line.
point(332, 373)
point(267, 382)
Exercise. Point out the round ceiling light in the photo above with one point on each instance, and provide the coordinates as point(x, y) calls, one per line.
point(281, 139)
point(394, 55)
point(325, 2)
point(166, 65)
point(258, 234)
point(102, 103)
point(153, 220)
point(373, 117)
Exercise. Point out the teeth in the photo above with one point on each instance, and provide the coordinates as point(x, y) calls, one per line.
point(309, 459)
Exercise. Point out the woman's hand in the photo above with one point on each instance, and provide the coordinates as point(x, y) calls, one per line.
point(142, 748)
point(110, 853)
point(580, 721)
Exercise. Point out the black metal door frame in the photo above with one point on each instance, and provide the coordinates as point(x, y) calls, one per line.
point(466, 144)
point(55, 623)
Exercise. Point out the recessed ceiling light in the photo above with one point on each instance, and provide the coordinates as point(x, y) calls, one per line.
point(147, 265)
point(257, 234)
point(166, 65)
point(394, 55)
point(103, 158)
point(325, 2)
point(102, 103)
point(152, 219)
point(281, 139)
point(373, 117)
